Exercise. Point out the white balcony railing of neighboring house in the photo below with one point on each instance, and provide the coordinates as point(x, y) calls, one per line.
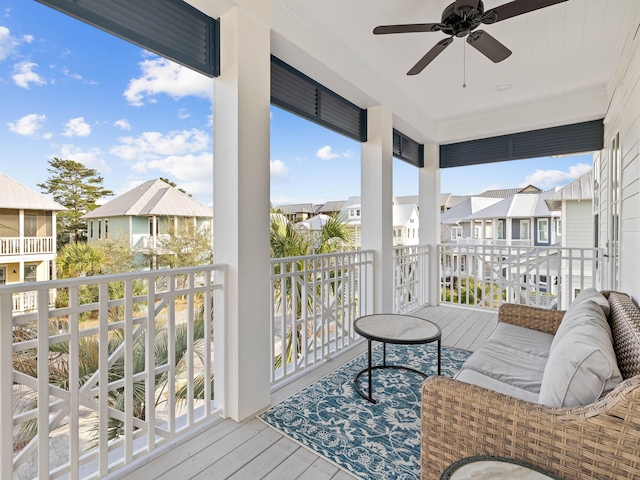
point(149, 242)
point(315, 300)
point(411, 278)
point(70, 398)
point(27, 245)
point(487, 276)
point(28, 301)
point(516, 242)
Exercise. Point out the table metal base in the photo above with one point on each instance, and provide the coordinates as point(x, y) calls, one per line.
point(384, 365)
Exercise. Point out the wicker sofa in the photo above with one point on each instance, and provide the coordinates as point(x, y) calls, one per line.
point(600, 440)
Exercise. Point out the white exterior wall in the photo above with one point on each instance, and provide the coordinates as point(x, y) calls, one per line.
point(577, 231)
point(623, 117)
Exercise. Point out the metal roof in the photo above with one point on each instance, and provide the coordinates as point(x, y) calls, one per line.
point(464, 209)
point(154, 197)
point(520, 205)
point(580, 189)
point(14, 195)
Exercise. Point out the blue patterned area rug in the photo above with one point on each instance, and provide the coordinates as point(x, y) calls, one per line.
point(372, 441)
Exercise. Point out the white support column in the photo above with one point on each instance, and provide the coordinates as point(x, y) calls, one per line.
point(377, 206)
point(429, 193)
point(241, 212)
point(508, 227)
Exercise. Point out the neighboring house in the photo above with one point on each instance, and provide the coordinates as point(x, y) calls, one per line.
point(575, 202)
point(455, 225)
point(333, 207)
point(144, 214)
point(27, 238)
point(406, 221)
point(298, 212)
point(523, 219)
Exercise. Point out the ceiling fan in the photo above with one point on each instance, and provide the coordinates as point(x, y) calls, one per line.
point(460, 19)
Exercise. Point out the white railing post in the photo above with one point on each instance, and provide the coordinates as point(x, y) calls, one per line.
point(6, 385)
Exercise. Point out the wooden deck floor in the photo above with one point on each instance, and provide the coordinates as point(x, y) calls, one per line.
point(251, 450)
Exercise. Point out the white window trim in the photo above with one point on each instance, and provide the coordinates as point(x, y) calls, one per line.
point(545, 230)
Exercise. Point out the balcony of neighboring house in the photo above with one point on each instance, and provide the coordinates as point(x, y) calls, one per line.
point(26, 233)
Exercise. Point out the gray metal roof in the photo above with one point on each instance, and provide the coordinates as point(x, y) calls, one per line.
point(520, 205)
point(154, 197)
point(466, 208)
point(580, 189)
point(297, 208)
point(330, 207)
point(508, 192)
point(14, 195)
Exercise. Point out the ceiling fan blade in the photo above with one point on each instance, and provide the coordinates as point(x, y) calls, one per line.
point(488, 46)
point(463, 6)
point(431, 54)
point(407, 28)
point(515, 8)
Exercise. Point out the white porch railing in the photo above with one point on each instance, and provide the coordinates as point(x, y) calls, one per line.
point(28, 301)
point(488, 275)
point(411, 278)
point(315, 300)
point(26, 245)
point(120, 370)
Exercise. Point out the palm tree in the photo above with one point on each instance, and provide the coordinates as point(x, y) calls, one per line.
point(286, 241)
point(79, 260)
point(26, 362)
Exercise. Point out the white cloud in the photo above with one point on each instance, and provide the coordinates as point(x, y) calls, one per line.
point(68, 73)
point(24, 75)
point(546, 179)
point(8, 43)
point(183, 114)
point(27, 38)
point(325, 153)
point(90, 157)
point(279, 170)
point(123, 124)
point(27, 125)
point(77, 127)
point(153, 145)
point(160, 75)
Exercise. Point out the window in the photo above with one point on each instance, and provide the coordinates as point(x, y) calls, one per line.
point(3, 275)
point(30, 273)
point(525, 230)
point(411, 220)
point(99, 228)
point(558, 226)
point(500, 229)
point(91, 229)
point(456, 232)
point(476, 232)
point(106, 228)
point(30, 225)
point(543, 230)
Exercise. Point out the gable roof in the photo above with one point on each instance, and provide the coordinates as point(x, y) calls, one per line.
point(14, 195)
point(154, 197)
point(297, 208)
point(580, 189)
point(520, 205)
point(332, 206)
point(464, 209)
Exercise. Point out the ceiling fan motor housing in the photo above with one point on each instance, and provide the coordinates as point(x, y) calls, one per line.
point(461, 22)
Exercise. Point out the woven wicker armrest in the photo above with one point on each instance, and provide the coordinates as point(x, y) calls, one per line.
point(601, 440)
point(535, 318)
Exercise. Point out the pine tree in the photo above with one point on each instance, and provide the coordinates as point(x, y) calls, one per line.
point(78, 188)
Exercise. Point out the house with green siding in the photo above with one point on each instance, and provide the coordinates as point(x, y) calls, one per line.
point(145, 215)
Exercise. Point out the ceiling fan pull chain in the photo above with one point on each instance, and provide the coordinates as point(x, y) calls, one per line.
point(464, 65)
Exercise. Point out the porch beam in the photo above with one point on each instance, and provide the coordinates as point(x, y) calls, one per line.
point(241, 212)
point(377, 203)
point(429, 198)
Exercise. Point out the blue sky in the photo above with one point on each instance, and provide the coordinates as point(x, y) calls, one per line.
point(72, 91)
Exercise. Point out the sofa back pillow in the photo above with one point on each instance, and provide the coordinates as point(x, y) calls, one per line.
point(589, 303)
point(582, 366)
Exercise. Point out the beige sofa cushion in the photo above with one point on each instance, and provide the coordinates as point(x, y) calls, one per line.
point(582, 364)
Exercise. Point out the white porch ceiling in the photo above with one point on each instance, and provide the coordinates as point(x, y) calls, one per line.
point(562, 59)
